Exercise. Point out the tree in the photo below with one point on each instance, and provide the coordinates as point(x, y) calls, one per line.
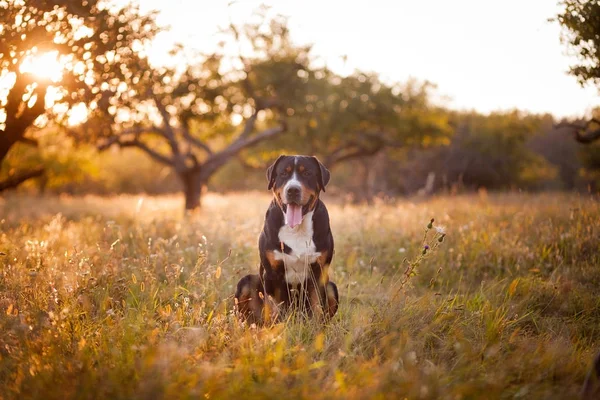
point(580, 20)
point(359, 119)
point(57, 54)
point(486, 151)
point(365, 116)
point(584, 132)
point(197, 119)
point(342, 119)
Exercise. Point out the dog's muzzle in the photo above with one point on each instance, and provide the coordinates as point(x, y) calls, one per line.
point(293, 194)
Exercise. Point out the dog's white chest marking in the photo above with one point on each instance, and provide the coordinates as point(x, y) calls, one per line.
point(300, 240)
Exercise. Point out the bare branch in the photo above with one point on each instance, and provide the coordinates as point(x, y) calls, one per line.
point(195, 141)
point(15, 180)
point(135, 142)
point(152, 153)
point(107, 143)
point(588, 137)
point(356, 153)
point(248, 126)
point(238, 145)
point(167, 131)
point(28, 141)
point(117, 137)
point(220, 158)
point(582, 137)
point(372, 144)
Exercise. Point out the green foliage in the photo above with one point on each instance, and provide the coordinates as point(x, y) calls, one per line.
point(65, 164)
point(580, 20)
point(121, 298)
point(590, 158)
point(490, 151)
point(93, 43)
point(196, 117)
point(589, 155)
point(492, 148)
point(345, 118)
point(256, 68)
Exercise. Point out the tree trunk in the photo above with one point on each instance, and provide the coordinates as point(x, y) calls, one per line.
point(367, 184)
point(193, 182)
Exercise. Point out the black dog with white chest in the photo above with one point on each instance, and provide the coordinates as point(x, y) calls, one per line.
point(295, 246)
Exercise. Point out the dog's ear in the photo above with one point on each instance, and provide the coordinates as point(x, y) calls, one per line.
point(323, 174)
point(271, 172)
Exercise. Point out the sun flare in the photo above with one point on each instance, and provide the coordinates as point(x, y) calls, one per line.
point(45, 66)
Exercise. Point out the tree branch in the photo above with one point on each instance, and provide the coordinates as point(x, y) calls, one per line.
point(167, 131)
point(28, 141)
point(248, 126)
point(195, 142)
point(588, 137)
point(355, 149)
point(585, 138)
point(135, 142)
point(357, 153)
point(116, 138)
point(152, 153)
point(220, 158)
point(15, 180)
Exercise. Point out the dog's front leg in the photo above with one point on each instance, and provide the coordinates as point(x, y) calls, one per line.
point(316, 295)
point(322, 299)
point(277, 297)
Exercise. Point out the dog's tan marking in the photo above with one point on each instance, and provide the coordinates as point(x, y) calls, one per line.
point(322, 260)
point(274, 262)
point(316, 304)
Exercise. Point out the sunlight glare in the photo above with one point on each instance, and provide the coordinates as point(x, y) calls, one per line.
point(45, 66)
point(78, 114)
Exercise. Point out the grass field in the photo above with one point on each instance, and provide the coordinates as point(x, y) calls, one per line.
point(125, 298)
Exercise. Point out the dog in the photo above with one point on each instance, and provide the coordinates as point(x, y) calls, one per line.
point(295, 247)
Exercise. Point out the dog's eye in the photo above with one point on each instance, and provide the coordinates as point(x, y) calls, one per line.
point(307, 173)
point(284, 174)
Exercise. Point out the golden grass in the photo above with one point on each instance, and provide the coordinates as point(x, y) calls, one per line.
point(126, 298)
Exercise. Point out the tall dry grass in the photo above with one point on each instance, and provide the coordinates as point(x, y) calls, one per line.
point(125, 298)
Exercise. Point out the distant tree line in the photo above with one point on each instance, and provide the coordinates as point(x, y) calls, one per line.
point(219, 118)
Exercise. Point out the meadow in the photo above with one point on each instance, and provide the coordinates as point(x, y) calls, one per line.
point(126, 297)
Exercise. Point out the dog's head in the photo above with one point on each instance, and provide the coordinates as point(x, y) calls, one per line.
point(296, 182)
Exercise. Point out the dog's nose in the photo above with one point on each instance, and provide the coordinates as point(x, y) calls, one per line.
point(293, 192)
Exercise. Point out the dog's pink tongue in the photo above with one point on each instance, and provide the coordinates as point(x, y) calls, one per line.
point(293, 215)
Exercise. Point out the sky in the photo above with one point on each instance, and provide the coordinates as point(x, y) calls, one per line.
point(485, 55)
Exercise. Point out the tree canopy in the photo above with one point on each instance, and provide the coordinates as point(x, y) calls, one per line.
point(581, 22)
point(194, 119)
point(57, 54)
